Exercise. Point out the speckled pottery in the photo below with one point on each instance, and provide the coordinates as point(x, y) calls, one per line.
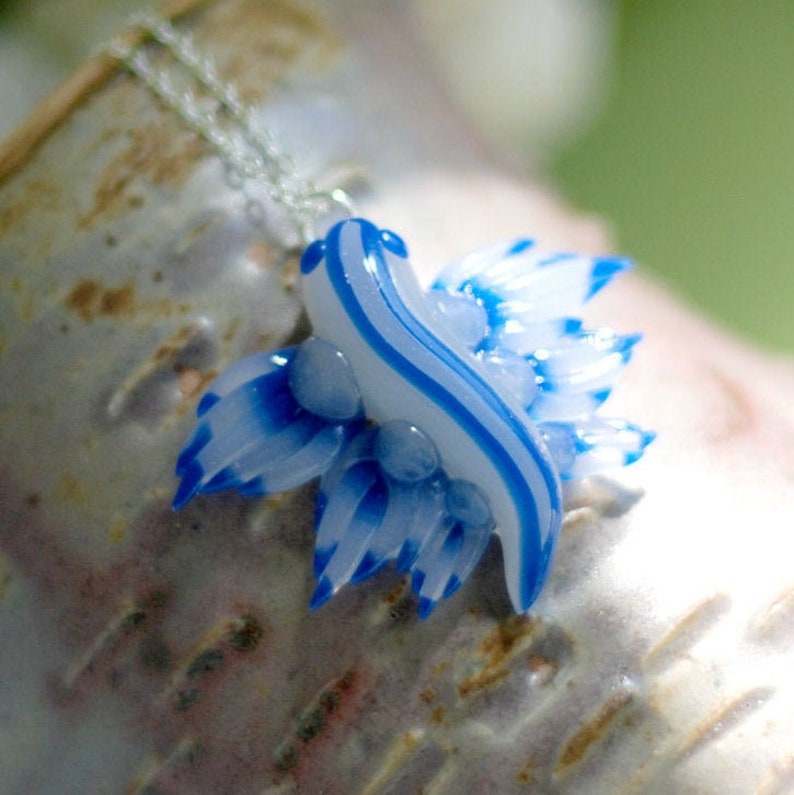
point(148, 651)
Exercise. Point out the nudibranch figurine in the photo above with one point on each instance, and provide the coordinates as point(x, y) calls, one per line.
point(433, 419)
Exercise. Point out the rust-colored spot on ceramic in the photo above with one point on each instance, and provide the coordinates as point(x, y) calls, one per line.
point(71, 490)
point(400, 604)
point(496, 649)
point(83, 298)
point(192, 381)
point(35, 196)
point(536, 663)
point(542, 668)
point(195, 232)
point(153, 152)
point(262, 254)
point(230, 330)
point(156, 369)
point(393, 596)
point(482, 681)
point(527, 773)
point(594, 730)
point(118, 530)
point(117, 302)
point(404, 607)
point(263, 41)
point(290, 274)
point(173, 345)
point(503, 640)
point(89, 299)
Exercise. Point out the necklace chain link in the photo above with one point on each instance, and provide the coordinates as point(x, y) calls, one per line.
point(247, 148)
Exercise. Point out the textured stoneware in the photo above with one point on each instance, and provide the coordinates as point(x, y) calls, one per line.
point(146, 651)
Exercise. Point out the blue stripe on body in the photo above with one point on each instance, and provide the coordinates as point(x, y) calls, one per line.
point(399, 354)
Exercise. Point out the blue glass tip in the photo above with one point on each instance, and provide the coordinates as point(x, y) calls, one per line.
point(321, 558)
point(223, 480)
point(519, 246)
point(407, 556)
point(254, 487)
point(426, 607)
point(572, 325)
point(647, 438)
point(630, 340)
point(322, 593)
point(453, 584)
point(369, 565)
point(604, 269)
point(188, 487)
point(200, 439)
point(600, 395)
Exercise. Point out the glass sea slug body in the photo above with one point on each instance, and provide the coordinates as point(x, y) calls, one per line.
point(433, 418)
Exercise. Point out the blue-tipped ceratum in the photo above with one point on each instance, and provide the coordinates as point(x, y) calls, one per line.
point(433, 419)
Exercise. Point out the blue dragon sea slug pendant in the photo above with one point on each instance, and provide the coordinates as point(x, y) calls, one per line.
point(433, 419)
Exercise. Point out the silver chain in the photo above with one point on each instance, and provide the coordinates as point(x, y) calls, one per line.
point(247, 148)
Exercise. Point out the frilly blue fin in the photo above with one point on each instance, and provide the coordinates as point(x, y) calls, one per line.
point(387, 499)
point(536, 347)
point(589, 446)
point(261, 431)
point(432, 419)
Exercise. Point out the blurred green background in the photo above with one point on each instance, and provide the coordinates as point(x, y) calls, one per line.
point(683, 141)
point(692, 156)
